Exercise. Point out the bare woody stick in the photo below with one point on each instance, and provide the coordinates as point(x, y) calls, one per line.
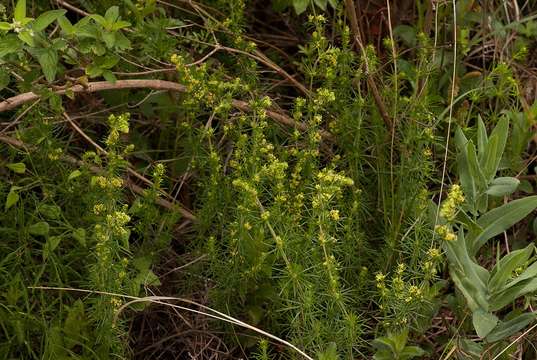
point(97, 86)
point(132, 186)
point(349, 4)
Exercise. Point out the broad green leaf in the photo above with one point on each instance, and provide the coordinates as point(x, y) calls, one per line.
point(48, 59)
point(475, 168)
point(66, 25)
point(321, 4)
point(508, 328)
point(483, 322)
point(51, 245)
point(469, 277)
point(74, 174)
point(109, 76)
point(504, 268)
point(52, 212)
point(19, 168)
point(503, 186)
point(20, 10)
point(482, 139)
point(75, 324)
point(526, 187)
point(46, 19)
point(330, 353)
point(109, 39)
point(9, 44)
point(5, 78)
point(407, 33)
point(300, 6)
point(399, 340)
point(465, 177)
point(98, 19)
point(500, 219)
point(5, 26)
point(118, 25)
point(41, 228)
point(12, 198)
point(495, 148)
point(529, 273)
point(112, 14)
point(384, 343)
point(411, 352)
point(27, 37)
point(506, 297)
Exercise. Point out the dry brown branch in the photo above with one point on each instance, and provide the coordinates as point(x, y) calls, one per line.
point(132, 186)
point(349, 4)
point(97, 86)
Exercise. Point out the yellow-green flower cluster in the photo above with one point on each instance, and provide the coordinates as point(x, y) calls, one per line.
point(445, 232)
point(434, 255)
point(324, 97)
point(330, 184)
point(55, 154)
point(449, 208)
point(107, 183)
point(117, 222)
point(118, 124)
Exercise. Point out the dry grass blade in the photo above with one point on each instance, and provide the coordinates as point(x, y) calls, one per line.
point(215, 314)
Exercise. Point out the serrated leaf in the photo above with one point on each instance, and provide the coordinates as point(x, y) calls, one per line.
point(48, 59)
point(500, 219)
point(9, 44)
point(18, 168)
point(5, 78)
point(40, 229)
point(503, 186)
point(483, 322)
point(508, 328)
point(46, 19)
point(12, 198)
point(20, 10)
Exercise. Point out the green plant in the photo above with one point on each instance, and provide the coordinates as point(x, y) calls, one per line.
point(394, 346)
point(467, 224)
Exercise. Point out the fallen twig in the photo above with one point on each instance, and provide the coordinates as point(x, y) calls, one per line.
point(97, 86)
point(132, 186)
point(349, 4)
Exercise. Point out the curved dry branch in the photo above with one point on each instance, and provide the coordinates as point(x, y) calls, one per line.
point(170, 205)
point(97, 86)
